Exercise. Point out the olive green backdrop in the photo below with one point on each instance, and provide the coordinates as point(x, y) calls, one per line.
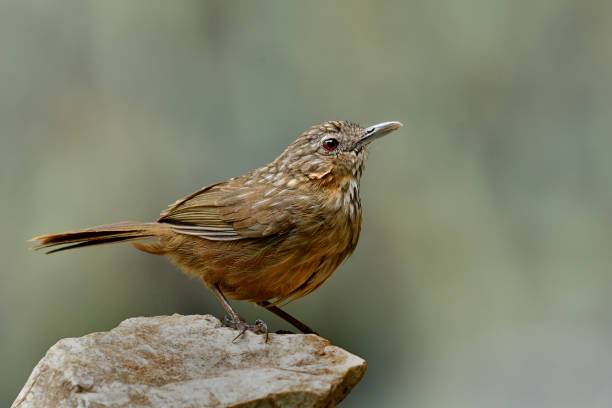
point(483, 275)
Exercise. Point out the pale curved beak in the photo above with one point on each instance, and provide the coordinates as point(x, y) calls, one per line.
point(374, 132)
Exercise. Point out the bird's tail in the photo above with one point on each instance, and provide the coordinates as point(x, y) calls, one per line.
point(103, 234)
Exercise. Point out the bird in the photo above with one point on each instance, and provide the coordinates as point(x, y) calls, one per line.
point(270, 236)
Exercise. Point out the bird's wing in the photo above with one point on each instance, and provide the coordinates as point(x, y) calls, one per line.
point(227, 211)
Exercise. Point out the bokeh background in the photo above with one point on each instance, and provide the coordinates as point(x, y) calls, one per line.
point(483, 275)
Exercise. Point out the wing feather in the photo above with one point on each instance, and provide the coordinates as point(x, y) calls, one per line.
point(226, 211)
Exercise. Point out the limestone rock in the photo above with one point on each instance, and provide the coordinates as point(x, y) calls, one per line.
point(190, 361)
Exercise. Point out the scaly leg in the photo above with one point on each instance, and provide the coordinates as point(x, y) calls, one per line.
point(235, 320)
point(287, 317)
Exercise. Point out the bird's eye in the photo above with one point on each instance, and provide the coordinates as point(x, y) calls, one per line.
point(330, 144)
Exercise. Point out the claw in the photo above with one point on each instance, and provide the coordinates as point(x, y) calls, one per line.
point(259, 327)
point(243, 328)
point(228, 322)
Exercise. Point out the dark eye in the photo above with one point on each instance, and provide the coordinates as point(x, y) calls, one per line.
point(330, 144)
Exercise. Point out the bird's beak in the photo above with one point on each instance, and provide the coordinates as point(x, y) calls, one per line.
point(374, 132)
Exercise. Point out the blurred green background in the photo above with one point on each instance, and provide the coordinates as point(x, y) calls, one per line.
point(483, 275)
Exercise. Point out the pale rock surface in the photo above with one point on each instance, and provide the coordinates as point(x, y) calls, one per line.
point(190, 361)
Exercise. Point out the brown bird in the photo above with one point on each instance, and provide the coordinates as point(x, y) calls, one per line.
point(272, 235)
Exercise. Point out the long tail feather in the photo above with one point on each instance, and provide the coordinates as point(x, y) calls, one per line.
point(103, 234)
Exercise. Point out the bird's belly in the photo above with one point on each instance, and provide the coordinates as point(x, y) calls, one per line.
point(280, 274)
point(281, 267)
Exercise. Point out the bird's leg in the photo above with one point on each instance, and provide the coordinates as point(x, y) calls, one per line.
point(234, 320)
point(287, 317)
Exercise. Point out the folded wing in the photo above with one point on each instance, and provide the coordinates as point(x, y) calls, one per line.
point(228, 211)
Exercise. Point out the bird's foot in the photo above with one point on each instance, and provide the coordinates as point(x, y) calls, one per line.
point(242, 326)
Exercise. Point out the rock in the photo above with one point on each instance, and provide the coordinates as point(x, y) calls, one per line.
point(190, 361)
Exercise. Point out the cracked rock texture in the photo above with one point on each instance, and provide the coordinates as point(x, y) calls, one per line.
point(190, 361)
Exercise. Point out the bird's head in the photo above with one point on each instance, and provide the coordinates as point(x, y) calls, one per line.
point(334, 149)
